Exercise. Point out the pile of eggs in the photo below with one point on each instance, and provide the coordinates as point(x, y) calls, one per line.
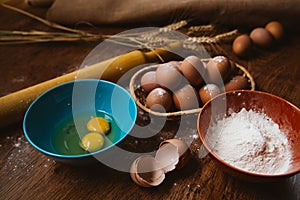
point(179, 86)
point(263, 37)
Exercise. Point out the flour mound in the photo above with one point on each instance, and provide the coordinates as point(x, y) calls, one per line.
point(250, 141)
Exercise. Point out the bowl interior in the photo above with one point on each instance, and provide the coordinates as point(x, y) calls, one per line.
point(286, 115)
point(77, 102)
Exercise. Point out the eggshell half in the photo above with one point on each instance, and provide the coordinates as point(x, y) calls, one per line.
point(168, 156)
point(183, 151)
point(146, 171)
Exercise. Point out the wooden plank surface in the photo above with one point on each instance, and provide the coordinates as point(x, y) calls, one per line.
point(28, 174)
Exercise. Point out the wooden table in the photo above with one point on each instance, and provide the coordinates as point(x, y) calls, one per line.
point(27, 174)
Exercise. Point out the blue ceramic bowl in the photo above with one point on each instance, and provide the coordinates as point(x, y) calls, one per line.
point(64, 110)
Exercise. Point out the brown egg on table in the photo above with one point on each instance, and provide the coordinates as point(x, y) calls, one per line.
point(261, 37)
point(218, 69)
point(193, 70)
point(242, 45)
point(168, 76)
point(148, 81)
point(276, 30)
point(186, 98)
point(236, 83)
point(208, 92)
point(159, 100)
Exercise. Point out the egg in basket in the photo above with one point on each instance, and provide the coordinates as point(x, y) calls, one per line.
point(179, 88)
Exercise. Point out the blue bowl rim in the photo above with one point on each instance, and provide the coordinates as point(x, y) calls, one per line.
point(63, 85)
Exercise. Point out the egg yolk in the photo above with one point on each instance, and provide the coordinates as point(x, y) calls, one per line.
point(98, 124)
point(92, 142)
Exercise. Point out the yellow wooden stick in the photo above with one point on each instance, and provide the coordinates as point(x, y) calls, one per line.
point(14, 105)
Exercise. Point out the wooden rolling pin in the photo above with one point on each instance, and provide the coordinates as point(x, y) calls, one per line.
point(14, 105)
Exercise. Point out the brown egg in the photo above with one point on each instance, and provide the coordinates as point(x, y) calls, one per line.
point(186, 98)
point(208, 92)
point(276, 30)
point(148, 81)
point(218, 69)
point(236, 83)
point(242, 45)
point(159, 100)
point(193, 69)
point(168, 76)
point(261, 37)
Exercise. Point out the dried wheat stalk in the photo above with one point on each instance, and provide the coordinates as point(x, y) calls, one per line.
point(202, 34)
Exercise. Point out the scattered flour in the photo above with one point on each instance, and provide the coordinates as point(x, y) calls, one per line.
point(250, 141)
point(19, 163)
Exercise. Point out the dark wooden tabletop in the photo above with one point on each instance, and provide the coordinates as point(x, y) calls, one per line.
point(27, 174)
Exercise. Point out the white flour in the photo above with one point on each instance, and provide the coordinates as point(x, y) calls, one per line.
point(250, 141)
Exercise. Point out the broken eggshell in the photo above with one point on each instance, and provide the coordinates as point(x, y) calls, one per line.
point(182, 154)
point(168, 156)
point(149, 171)
point(146, 171)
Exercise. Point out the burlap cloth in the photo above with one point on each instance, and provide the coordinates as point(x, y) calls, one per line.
point(149, 12)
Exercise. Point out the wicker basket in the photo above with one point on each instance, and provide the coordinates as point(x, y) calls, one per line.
point(139, 96)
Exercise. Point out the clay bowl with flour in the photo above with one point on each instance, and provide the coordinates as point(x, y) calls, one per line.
point(218, 135)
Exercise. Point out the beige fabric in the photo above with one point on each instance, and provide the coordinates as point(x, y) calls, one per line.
point(147, 12)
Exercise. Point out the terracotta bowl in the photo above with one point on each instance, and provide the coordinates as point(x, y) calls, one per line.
point(286, 115)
